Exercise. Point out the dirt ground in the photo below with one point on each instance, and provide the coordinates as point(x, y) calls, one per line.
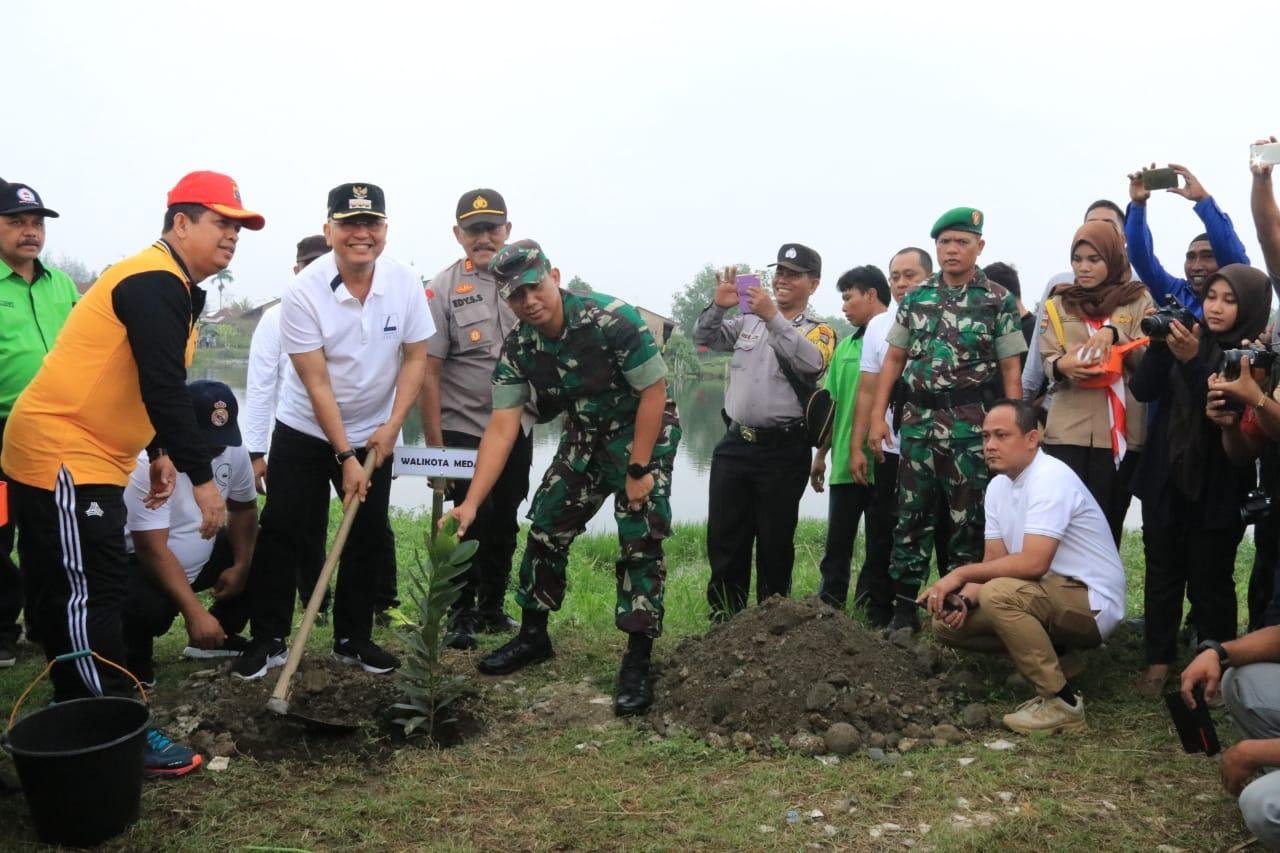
point(801, 672)
point(221, 715)
point(792, 672)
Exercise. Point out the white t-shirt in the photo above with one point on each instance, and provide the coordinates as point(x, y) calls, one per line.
point(180, 515)
point(362, 343)
point(1048, 499)
point(268, 365)
point(875, 345)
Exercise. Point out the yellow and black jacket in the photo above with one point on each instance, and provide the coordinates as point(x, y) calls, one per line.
point(114, 381)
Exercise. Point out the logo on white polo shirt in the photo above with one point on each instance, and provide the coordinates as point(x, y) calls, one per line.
point(94, 510)
point(390, 324)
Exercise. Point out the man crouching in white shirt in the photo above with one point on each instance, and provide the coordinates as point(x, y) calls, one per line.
point(169, 561)
point(1050, 578)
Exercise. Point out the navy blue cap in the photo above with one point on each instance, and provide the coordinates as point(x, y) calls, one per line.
point(216, 409)
point(16, 199)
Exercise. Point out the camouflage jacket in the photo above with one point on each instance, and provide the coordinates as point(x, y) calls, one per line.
point(954, 338)
point(594, 373)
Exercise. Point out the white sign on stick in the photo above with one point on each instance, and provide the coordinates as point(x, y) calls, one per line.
point(454, 463)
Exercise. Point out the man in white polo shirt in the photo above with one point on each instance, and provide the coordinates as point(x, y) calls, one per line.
point(268, 366)
point(1050, 576)
point(355, 327)
point(169, 562)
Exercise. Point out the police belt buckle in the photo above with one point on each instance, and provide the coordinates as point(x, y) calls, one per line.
point(747, 433)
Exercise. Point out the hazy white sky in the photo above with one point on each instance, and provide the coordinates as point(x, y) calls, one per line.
point(637, 141)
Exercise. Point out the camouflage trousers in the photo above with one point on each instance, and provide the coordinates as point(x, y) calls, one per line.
point(571, 493)
point(935, 475)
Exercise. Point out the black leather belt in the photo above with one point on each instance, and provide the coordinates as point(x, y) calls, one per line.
point(952, 399)
point(789, 434)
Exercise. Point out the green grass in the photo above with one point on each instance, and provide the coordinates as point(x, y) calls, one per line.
point(524, 784)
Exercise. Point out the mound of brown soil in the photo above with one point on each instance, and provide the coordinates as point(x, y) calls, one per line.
point(221, 715)
point(805, 673)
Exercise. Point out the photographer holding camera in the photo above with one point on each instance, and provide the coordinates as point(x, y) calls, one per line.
point(1095, 425)
point(1191, 490)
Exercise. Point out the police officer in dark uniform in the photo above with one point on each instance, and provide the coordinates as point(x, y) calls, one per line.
point(760, 467)
point(456, 404)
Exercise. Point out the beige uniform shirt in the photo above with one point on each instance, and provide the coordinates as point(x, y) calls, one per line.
point(1079, 416)
point(472, 323)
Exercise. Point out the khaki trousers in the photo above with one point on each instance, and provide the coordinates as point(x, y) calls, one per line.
point(1026, 619)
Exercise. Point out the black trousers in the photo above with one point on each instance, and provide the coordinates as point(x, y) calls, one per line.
point(1200, 564)
point(754, 499)
point(496, 526)
point(71, 546)
point(1262, 578)
point(10, 574)
point(1108, 484)
point(846, 504)
point(295, 522)
point(149, 612)
point(874, 590)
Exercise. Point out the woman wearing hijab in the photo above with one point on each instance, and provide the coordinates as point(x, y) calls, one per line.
point(1191, 490)
point(1095, 425)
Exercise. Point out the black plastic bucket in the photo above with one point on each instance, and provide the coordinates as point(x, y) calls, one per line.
point(80, 763)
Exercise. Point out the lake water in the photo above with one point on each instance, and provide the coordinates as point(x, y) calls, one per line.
point(699, 404)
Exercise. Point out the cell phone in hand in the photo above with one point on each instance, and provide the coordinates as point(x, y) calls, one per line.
point(745, 280)
point(1159, 179)
point(1194, 725)
point(1265, 154)
point(951, 602)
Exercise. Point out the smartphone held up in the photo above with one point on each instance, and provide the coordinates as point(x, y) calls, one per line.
point(1264, 154)
point(1159, 179)
point(744, 282)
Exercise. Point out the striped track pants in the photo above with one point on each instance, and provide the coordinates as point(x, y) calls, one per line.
point(72, 550)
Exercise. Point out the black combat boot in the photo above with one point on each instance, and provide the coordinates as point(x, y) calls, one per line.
point(527, 647)
point(905, 613)
point(634, 693)
point(461, 633)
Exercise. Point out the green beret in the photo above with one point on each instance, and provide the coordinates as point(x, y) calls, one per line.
point(958, 219)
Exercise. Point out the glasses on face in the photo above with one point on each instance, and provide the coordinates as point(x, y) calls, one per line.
point(480, 230)
point(356, 223)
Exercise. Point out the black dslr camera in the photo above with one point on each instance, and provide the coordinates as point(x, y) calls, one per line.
point(1158, 324)
point(1256, 506)
point(1263, 359)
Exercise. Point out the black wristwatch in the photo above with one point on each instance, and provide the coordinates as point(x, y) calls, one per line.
point(1224, 660)
point(635, 470)
point(349, 453)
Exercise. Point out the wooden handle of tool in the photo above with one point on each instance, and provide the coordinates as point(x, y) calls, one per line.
point(280, 696)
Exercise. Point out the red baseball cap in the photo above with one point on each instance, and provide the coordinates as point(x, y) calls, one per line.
point(218, 193)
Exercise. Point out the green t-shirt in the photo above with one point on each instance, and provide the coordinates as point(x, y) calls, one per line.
point(842, 382)
point(31, 315)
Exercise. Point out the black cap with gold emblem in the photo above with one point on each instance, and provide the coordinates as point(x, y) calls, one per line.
point(481, 207)
point(358, 199)
point(216, 409)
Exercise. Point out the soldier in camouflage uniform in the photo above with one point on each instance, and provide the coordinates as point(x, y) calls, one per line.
point(956, 342)
point(591, 357)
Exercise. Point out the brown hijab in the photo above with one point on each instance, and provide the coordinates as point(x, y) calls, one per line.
point(1099, 301)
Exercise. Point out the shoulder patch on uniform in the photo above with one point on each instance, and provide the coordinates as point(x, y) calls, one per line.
point(824, 338)
point(431, 294)
point(465, 287)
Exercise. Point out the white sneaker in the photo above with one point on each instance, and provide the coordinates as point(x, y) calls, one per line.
point(1051, 715)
